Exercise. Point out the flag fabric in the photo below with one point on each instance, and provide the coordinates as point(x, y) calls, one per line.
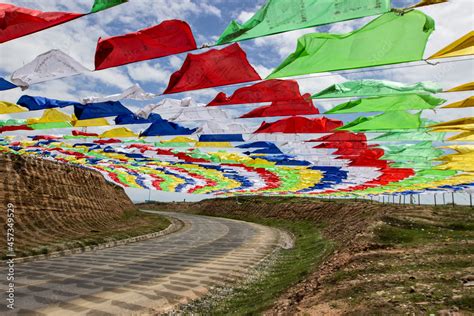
point(285, 108)
point(411, 136)
point(15, 128)
point(135, 92)
point(370, 88)
point(167, 104)
point(100, 5)
point(464, 87)
point(300, 124)
point(89, 122)
point(166, 128)
point(466, 103)
point(278, 16)
point(203, 114)
point(463, 137)
point(211, 69)
point(51, 65)
point(126, 119)
point(101, 109)
point(6, 85)
point(465, 123)
point(343, 137)
point(265, 91)
point(7, 107)
point(50, 116)
point(397, 120)
point(392, 38)
point(461, 47)
point(388, 103)
point(229, 127)
point(80, 133)
point(35, 103)
point(167, 38)
point(423, 3)
point(118, 132)
point(17, 21)
point(12, 122)
point(221, 138)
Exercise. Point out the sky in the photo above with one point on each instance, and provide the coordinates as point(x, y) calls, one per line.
point(208, 18)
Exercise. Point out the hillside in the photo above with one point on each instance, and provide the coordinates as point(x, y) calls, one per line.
point(59, 206)
point(386, 259)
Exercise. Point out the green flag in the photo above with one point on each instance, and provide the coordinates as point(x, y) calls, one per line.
point(390, 39)
point(412, 136)
point(369, 88)
point(389, 103)
point(50, 125)
point(278, 16)
point(386, 121)
point(100, 5)
point(420, 152)
point(12, 122)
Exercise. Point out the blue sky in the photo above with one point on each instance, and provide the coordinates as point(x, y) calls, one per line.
point(208, 18)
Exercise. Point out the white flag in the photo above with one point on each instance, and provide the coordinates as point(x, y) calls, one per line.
point(168, 104)
point(135, 92)
point(48, 66)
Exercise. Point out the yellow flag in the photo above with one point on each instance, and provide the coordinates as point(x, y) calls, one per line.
point(50, 116)
point(469, 102)
point(462, 47)
point(179, 139)
point(423, 3)
point(464, 87)
point(462, 137)
point(214, 144)
point(465, 123)
point(7, 107)
point(89, 122)
point(117, 133)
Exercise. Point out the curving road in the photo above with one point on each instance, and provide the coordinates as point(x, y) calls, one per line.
point(144, 277)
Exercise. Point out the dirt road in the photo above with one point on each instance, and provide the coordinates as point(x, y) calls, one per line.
point(144, 277)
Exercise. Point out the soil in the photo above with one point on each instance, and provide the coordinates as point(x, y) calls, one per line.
point(388, 259)
point(59, 206)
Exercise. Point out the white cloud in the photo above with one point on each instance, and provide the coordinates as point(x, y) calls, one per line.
point(145, 72)
point(244, 16)
point(175, 62)
point(262, 71)
point(283, 44)
point(113, 77)
point(211, 9)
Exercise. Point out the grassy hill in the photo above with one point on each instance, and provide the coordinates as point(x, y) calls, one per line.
point(59, 206)
point(383, 259)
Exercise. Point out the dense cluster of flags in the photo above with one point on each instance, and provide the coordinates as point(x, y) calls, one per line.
point(185, 146)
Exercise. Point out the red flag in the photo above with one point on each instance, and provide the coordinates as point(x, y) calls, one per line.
point(79, 133)
point(15, 128)
point(304, 106)
point(298, 124)
point(107, 141)
point(45, 137)
point(16, 21)
point(212, 69)
point(341, 136)
point(342, 140)
point(265, 91)
point(167, 38)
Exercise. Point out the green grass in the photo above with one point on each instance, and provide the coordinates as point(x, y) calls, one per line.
point(436, 250)
point(290, 267)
